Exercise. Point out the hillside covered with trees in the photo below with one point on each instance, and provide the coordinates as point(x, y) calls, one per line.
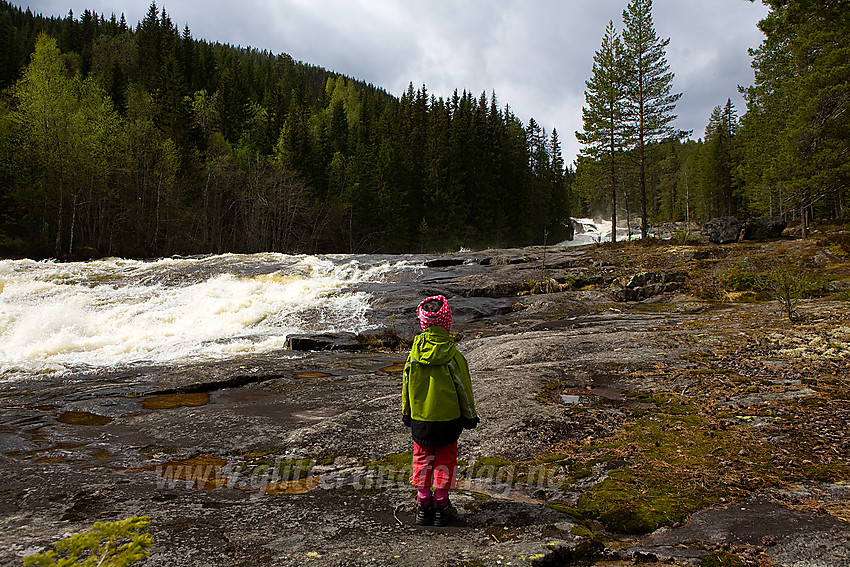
point(144, 141)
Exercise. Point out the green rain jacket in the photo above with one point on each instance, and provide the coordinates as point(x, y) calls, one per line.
point(436, 397)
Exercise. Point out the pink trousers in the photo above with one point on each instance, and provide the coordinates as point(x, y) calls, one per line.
point(434, 466)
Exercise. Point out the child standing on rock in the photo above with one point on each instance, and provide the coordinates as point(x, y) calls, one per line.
point(437, 404)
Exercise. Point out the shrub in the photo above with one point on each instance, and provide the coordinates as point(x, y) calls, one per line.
point(706, 287)
point(740, 276)
point(682, 238)
point(838, 244)
point(107, 544)
point(788, 283)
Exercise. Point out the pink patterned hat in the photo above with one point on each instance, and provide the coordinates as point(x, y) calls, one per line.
point(443, 317)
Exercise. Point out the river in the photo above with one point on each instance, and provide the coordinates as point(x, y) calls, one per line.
point(70, 318)
point(74, 318)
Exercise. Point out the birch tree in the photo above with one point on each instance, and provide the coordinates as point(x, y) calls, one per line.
point(45, 98)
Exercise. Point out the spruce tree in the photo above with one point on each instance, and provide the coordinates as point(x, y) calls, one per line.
point(798, 110)
point(649, 84)
point(717, 167)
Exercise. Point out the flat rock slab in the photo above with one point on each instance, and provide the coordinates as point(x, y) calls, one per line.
point(792, 538)
point(224, 527)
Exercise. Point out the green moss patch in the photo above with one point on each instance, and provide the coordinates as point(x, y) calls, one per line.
point(722, 559)
point(624, 503)
point(672, 452)
point(678, 460)
point(393, 462)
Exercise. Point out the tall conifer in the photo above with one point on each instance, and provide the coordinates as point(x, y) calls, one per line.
point(602, 139)
point(798, 110)
point(649, 85)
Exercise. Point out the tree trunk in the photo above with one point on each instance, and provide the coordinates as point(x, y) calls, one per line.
point(804, 221)
point(73, 225)
point(155, 238)
point(58, 243)
point(642, 155)
point(643, 217)
point(613, 193)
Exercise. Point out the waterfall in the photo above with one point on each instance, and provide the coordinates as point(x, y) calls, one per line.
point(595, 231)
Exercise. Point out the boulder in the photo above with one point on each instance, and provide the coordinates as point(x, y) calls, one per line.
point(444, 262)
point(664, 231)
point(644, 285)
point(723, 230)
point(84, 254)
point(763, 228)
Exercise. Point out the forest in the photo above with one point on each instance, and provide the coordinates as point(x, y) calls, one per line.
point(143, 141)
point(788, 154)
point(146, 142)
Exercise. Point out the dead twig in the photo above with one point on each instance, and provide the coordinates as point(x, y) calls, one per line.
point(395, 515)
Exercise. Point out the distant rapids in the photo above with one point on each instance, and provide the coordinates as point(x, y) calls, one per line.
point(58, 318)
point(595, 231)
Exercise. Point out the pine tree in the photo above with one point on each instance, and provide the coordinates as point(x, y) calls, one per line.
point(649, 84)
point(603, 116)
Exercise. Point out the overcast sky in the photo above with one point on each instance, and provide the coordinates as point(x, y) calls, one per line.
point(534, 54)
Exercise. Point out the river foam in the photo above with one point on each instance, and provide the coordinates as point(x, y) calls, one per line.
point(57, 318)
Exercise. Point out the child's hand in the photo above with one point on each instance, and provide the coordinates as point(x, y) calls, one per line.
point(470, 422)
point(405, 419)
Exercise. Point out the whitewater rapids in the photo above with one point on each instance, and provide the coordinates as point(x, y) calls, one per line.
point(57, 318)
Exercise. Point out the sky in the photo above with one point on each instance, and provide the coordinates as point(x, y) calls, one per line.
point(535, 55)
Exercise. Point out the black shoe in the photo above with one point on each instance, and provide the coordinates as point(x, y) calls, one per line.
point(443, 515)
point(424, 514)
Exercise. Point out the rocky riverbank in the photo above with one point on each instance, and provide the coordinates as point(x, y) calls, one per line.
point(639, 403)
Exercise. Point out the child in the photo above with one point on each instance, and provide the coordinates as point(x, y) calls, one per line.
point(437, 404)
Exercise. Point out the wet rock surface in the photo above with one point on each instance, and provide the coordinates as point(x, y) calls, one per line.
point(324, 341)
point(299, 458)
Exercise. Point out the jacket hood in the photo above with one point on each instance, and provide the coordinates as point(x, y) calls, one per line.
point(433, 346)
